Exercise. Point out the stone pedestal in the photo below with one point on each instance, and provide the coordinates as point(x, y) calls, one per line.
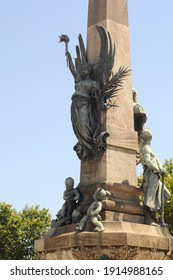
point(124, 201)
point(119, 241)
point(125, 236)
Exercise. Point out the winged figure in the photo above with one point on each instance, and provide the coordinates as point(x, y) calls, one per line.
point(95, 86)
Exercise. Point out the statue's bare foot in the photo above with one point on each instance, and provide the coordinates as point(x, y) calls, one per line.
point(78, 229)
point(99, 229)
point(152, 224)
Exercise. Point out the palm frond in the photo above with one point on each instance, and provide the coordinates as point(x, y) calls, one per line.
point(111, 87)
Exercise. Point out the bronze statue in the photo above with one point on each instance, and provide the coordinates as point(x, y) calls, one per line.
point(71, 197)
point(140, 116)
point(93, 211)
point(95, 85)
point(151, 185)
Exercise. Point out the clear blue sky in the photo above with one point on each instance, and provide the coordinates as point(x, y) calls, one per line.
point(36, 137)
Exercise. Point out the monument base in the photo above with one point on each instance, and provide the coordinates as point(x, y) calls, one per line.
point(120, 241)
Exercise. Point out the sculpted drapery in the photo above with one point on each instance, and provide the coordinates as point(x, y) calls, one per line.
point(95, 86)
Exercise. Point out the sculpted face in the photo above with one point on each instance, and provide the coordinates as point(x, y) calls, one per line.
point(146, 135)
point(100, 194)
point(86, 70)
point(69, 183)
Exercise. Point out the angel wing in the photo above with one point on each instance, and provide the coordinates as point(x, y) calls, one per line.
point(81, 60)
point(109, 83)
point(103, 68)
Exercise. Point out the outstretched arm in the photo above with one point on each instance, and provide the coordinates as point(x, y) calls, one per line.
point(71, 65)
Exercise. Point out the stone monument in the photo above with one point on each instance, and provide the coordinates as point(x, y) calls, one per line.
point(107, 148)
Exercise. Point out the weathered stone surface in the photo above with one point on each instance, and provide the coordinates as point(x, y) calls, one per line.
point(119, 161)
point(124, 198)
point(107, 10)
point(132, 241)
point(106, 253)
point(121, 217)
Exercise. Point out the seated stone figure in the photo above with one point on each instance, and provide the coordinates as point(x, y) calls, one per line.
point(71, 196)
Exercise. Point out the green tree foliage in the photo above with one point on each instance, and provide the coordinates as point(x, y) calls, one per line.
point(18, 230)
point(9, 232)
point(168, 165)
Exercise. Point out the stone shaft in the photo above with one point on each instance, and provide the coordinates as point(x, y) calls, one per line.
point(119, 161)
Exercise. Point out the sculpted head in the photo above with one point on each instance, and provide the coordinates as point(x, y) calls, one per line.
point(146, 134)
point(86, 69)
point(69, 183)
point(101, 194)
point(135, 95)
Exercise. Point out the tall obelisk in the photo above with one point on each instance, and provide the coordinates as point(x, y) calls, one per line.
point(118, 163)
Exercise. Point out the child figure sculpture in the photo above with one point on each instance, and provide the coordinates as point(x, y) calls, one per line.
point(93, 211)
point(71, 196)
